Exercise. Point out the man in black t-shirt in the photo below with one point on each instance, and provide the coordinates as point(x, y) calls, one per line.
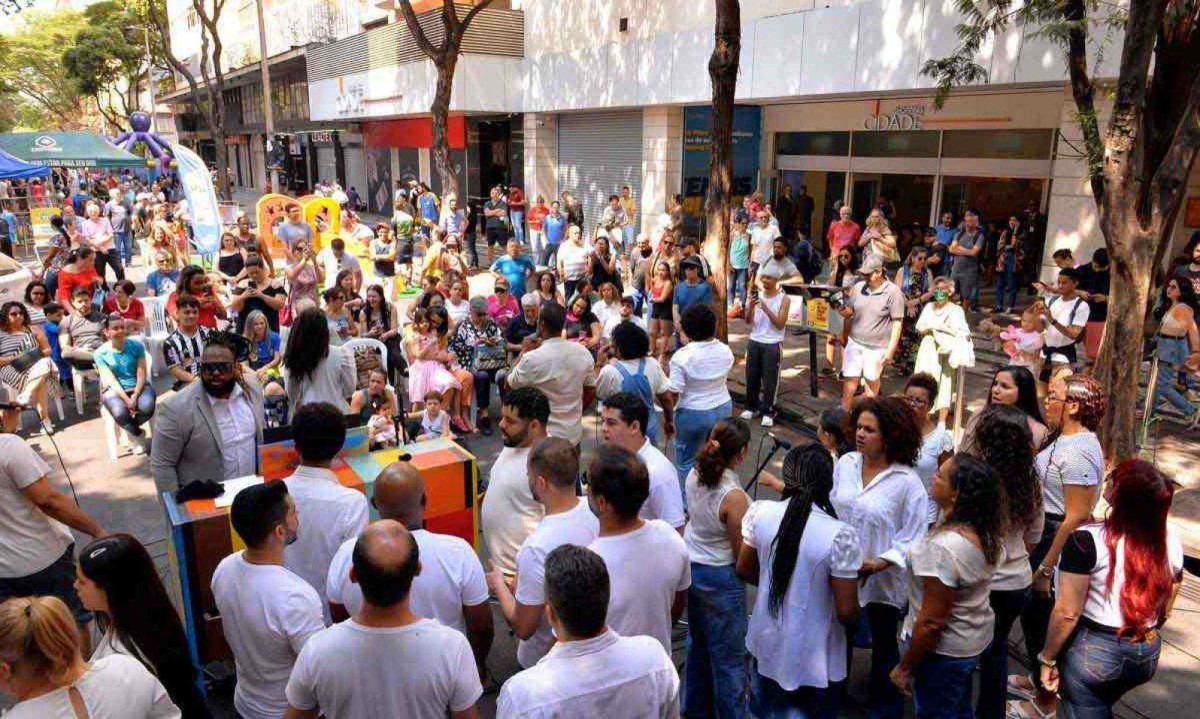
point(258, 291)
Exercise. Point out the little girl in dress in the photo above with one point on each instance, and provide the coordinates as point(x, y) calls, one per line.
point(381, 429)
point(1023, 343)
point(427, 370)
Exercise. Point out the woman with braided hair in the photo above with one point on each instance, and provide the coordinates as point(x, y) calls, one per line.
point(806, 564)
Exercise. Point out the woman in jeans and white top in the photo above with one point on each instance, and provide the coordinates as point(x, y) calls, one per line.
point(949, 621)
point(1117, 581)
point(1004, 444)
point(46, 673)
point(937, 444)
point(715, 674)
point(806, 566)
point(698, 372)
point(1070, 469)
point(1176, 340)
point(767, 315)
point(877, 491)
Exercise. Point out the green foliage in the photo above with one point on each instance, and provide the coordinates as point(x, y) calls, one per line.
point(107, 59)
point(32, 74)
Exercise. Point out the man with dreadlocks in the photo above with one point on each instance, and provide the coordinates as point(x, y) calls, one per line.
point(805, 564)
point(216, 422)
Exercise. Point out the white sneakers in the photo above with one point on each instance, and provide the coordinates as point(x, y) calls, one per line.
point(767, 420)
point(747, 415)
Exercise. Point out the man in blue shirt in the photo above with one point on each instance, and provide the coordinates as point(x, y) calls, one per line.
point(8, 226)
point(693, 290)
point(555, 227)
point(515, 268)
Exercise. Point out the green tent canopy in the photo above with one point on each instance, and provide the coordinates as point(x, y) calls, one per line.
point(67, 149)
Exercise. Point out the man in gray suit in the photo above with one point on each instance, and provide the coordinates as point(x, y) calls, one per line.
point(210, 429)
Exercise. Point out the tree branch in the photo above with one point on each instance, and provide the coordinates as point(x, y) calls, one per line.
point(1084, 93)
point(418, 33)
point(475, 10)
point(1171, 175)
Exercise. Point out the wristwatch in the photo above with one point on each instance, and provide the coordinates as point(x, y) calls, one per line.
point(1051, 663)
point(1046, 571)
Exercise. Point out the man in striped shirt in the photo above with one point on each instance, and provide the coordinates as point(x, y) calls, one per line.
point(183, 347)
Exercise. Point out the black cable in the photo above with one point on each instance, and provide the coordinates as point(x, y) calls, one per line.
point(63, 464)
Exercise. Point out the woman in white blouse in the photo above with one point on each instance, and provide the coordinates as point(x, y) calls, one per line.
point(1117, 581)
point(1070, 468)
point(877, 491)
point(806, 566)
point(949, 621)
point(698, 373)
point(41, 666)
point(1004, 442)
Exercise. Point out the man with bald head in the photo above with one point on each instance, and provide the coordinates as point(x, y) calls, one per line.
point(450, 588)
point(386, 660)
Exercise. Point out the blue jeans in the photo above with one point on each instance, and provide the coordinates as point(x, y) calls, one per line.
point(1099, 668)
point(120, 413)
point(691, 432)
point(1007, 605)
point(124, 243)
point(942, 687)
point(738, 281)
point(518, 223)
point(628, 237)
point(1172, 351)
point(1006, 284)
point(550, 254)
point(768, 700)
point(51, 280)
point(714, 681)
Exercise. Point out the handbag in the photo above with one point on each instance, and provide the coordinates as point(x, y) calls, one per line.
point(491, 357)
point(26, 359)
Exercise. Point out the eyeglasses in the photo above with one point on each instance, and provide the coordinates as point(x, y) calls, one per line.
point(216, 367)
point(501, 289)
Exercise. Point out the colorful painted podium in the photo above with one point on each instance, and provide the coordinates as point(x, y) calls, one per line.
point(201, 535)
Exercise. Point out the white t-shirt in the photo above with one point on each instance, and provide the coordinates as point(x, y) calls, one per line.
point(509, 513)
point(422, 670)
point(114, 687)
point(332, 266)
point(579, 527)
point(329, 515)
point(30, 540)
point(699, 371)
point(267, 614)
point(1072, 459)
point(574, 260)
point(609, 381)
point(804, 644)
point(1061, 310)
point(646, 567)
point(666, 498)
point(932, 446)
point(607, 676)
point(958, 564)
point(451, 577)
point(761, 240)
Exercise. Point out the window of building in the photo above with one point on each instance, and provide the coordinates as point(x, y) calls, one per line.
point(812, 143)
point(998, 144)
point(899, 143)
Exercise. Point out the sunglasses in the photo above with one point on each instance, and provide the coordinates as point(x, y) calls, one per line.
point(500, 288)
point(216, 367)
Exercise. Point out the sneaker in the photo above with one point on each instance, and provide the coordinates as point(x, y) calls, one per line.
point(768, 421)
point(138, 450)
point(747, 415)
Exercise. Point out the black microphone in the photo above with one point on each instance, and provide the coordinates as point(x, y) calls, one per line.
point(780, 442)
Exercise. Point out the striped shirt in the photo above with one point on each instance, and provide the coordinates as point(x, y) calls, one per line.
point(183, 351)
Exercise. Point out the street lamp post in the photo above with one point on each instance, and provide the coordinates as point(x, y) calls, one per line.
point(150, 81)
point(268, 115)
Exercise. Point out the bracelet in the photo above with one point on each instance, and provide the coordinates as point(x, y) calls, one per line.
point(1046, 571)
point(1049, 663)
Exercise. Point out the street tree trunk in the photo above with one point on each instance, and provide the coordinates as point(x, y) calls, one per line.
point(445, 59)
point(722, 72)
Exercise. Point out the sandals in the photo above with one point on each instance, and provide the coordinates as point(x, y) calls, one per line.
point(1021, 709)
point(1022, 687)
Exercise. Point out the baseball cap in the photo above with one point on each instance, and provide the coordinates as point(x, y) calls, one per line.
point(693, 261)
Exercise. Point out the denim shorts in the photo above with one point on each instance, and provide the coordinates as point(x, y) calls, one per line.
point(57, 580)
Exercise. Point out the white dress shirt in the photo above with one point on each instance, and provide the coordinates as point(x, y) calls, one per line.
point(329, 515)
point(605, 677)
point(889, 514)
point(698, 373)
point(235, 422)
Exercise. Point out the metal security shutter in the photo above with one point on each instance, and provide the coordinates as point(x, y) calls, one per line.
point(598, 153)
point(326, 165)
point(356, 170)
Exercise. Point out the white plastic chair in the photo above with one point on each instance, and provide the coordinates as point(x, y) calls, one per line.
point(156, 316)
point(115, 435)
point(79, 378)
point(354, 342)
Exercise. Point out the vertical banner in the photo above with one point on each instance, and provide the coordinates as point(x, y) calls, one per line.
point(202, 199)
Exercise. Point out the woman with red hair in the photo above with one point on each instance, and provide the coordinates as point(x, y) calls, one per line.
point(1117, 581)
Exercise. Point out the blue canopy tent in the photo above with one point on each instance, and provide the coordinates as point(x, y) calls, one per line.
point(13, 169)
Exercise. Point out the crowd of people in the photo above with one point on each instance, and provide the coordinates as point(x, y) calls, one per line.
point(888, 533)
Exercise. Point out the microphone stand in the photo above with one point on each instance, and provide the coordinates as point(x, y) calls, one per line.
point(753, 482)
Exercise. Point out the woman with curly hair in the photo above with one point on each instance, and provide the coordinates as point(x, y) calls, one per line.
point(877, 490)
point(1004, 440)
point(949, 621)
point(1070, 469)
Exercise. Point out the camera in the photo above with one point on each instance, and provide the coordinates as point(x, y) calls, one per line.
point(836, 300)
point(252, 284)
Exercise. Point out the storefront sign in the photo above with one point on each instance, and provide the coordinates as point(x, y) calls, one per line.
point(322, 137)
point(697, 131)
point(904, 117)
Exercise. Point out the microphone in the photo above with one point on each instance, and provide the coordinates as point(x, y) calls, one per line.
point(780, 443)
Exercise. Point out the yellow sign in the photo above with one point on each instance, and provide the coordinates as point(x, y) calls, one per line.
point(39, 218)
point(818, 314)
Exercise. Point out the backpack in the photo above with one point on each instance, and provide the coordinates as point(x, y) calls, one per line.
point(639, 386)
point(1071, 318)
point(808, 261)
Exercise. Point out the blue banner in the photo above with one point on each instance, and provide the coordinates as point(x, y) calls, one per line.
point(201, 198)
